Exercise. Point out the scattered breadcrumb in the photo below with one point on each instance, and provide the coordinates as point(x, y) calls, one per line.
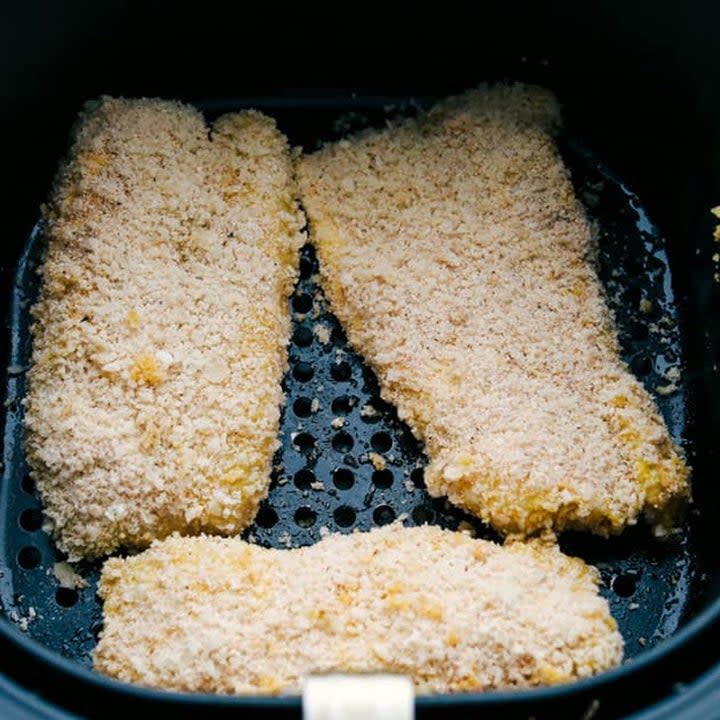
point(322, 333)
point(456, 614)
point(367, 411)
point(633, 606)
point(338, 422)
point(646, 305)
point(161, 328)
point(22, 621)
point(484, 319)
point(378, 461)
point(67, 577)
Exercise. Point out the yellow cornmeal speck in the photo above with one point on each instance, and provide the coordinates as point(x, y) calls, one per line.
point(133, 320)
point(488, 327)
point(134, 429)
point(378, 461)
point(451, 612)
point(146, 369)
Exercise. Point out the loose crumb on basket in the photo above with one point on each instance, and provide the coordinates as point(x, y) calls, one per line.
point(322, 332)
point(67, 577)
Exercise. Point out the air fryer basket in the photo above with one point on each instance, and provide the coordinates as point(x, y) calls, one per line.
point(663, 594)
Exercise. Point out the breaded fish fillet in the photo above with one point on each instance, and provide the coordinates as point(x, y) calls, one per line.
point(459, 260)
point(221, 615)
point(161, 327)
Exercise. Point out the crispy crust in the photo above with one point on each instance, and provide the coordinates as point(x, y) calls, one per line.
point(160, 331)
point(456, 614)
point(454, 252)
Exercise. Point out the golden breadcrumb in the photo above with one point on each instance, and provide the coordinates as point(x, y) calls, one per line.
point(160, 331)
point(457, 257)
point(455, 614)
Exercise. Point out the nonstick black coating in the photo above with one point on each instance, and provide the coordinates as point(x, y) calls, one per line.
point(324, 480)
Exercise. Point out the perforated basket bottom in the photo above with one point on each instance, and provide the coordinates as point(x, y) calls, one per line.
point(324, 480)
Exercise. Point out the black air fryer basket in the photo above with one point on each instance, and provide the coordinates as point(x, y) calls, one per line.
point(637, 85)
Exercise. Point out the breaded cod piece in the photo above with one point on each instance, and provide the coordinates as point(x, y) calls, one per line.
point(456, 255)
point(159, 336)
point(456, 614)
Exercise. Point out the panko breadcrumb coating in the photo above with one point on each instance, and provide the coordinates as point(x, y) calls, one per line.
point(456, 614)
point(161, 328)
point(456, 255)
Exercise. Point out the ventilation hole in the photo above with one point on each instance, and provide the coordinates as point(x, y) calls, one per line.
point(382, 479)
point(381, 442)
point(303, 336)
point(641, 365)
point(343, 442)
point(28, 485)
point(303, 371)
point(341, 405)
point(624, 585)
point(306, 268)
point(304, 479)
point(383, 515)
point(418, 477)
point(29, 557)
point(341, 371)
point(422, 515)
point(302, 407)
point(305, 517)
point(302, 303)
point(66, 597)
point(639, 331)
point(344, 516)
point(266, 517)
point(337, 335)
point(304, 443)
point(31, 520)
point(343, 479)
